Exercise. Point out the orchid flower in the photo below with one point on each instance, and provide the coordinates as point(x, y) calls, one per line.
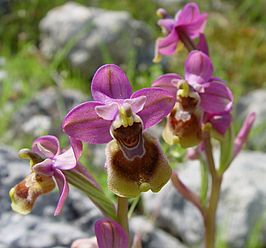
point(201, 98)
point(109, 234)
point(187, 25)
point(135, 161)
point(47, 162)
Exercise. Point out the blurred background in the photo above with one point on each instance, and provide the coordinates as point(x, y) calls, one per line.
point(49, 51)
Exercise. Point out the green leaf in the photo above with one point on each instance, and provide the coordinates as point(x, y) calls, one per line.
point(96, 195)
point(226, 150)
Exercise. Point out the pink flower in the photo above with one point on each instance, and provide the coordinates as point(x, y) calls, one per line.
point(48, 161)
point(187, 25)
point(109, 234)
point(200, 98)
point(134, 160)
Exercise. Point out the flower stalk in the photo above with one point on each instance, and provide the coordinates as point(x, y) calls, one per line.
point(122, 213)
point(216, 181)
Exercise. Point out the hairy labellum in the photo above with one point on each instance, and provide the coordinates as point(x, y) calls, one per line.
point(185, 131)
point(130, 177)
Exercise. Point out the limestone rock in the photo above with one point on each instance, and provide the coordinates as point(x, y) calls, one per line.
point(91, 35)
point(241, 206)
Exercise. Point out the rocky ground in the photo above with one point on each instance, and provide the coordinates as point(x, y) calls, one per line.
point(171, 221)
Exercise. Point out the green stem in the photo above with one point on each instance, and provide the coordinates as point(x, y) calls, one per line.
point(122, 213)
point(204, 182)
point(210, 217)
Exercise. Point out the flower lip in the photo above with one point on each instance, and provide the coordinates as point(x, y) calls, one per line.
point(128, 136)
point(130, 177)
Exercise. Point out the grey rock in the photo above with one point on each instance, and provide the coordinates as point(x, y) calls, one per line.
point(3, 245)
point(32, 232)
point(43, 114)
point(151, 236)
point(254, 102)
point(3, 74)
point(92, 35)
point(2, 61)
point(12, 170)
point(4, 6)
point(241, 206)
point(98, 155)
point(37, 125)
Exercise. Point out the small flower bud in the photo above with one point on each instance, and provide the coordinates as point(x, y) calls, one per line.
point(162, 13)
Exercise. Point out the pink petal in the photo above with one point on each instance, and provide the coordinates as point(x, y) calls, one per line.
point(108, 111)
point(220, 122)
point(83, 123)
point(45, 167)
point(242, 136)
point(108, 82)
point(168, 45)
point(198, 68)
point(167, 82)
point(167, 24)
point(158, 105)
point(46, 146)
point(66, 160)
point(195, 28)
point(63, 189)
point(188, 14)
point(76, 146)
point(110, 234)
point(217, 98)
point(137, 104)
